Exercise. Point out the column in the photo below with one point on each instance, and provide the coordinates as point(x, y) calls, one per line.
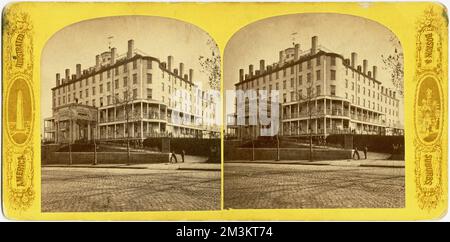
point(142, 129)
point(89, 131)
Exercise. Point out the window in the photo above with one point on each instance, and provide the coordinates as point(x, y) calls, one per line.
point(64, 100)
point(292, 82)
point(346, 83)
point(292, 96)
point(134, 64)
point(108, 99)
point(135, 93)
point(108, 74)
point(284, 97)
point(93, 90)
point(318, 61)
point(308, 77)
point(101, 102)
point(87, 92)
point(116, 70)
point(101, 88)
point(276, 86)
point(81, 84)
point(284, 72)
point(308, 64)
point(149, 64)
point(333, 75)
point(277, 75)
point(346, 95)
point(116, 84)
point(87, 81)
point(318, 75)
point(134, 78)
point(68, 88)
point(300, 80)
point(125, 81)
point(125, 67)
point(108, 86)
point(93, 102)
point(292, 69)
point(101, 76)
point(93, 79)
point(333, 90)
point(332, 60)
point(162, 87)
point(300, 66)
point(81, 94)
point(68, 98)
point(318, 90)
point(284, 84)
point(149, 93)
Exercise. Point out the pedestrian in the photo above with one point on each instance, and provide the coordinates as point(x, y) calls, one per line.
point(182, 155)
point(173, 157)
point(365, 151)
point(356, 153)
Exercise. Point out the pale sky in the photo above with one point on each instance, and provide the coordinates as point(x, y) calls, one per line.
point(156, 36)
point(342, 34)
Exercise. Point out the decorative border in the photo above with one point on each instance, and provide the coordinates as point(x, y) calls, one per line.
point(19, 111)
point(429, 110)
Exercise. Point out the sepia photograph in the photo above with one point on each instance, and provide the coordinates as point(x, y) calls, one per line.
point(314, 114)
point(131, 117)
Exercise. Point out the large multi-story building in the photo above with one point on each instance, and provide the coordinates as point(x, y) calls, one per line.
point(322, 93)
point(153, 98)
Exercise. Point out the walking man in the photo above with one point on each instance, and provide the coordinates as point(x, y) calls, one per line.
point(356, 153)
point(365, 151)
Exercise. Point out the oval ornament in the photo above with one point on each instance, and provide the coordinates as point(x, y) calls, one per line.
point(428, 110)
point(19, 111)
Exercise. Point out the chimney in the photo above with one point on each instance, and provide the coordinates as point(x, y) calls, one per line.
point(130, 48)
point(78, 67)
point(359, 68)
point(97, 60)
point(262, 66)
point(191, 75)
point(74, 77)
point(175, 71)
point(365, 66)
point(169, 62)
point(354, 59)
point(297, 51)
point(67, 74)
point(281, 56)
point(181, 69)
point(374, 72)
point(58, 79)
point(314, 41)
point(241, 75)
point(113, 56)
point(369, 73)
point(250, 70)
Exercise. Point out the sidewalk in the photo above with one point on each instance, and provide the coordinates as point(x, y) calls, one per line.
point(154, 166)
point(350, 162)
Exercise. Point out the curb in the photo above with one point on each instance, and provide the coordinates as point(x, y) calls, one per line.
point(94, 166)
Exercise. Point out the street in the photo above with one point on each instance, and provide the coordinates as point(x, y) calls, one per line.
point(114, 189)
point(312, 186)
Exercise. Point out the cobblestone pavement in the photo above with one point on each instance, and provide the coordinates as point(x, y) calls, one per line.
point(311, 186)
point(106, 189)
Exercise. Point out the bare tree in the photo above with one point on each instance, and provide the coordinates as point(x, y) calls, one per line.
point(211, 65)
point(308, 98)
point(126, 104)
point(393, 63)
